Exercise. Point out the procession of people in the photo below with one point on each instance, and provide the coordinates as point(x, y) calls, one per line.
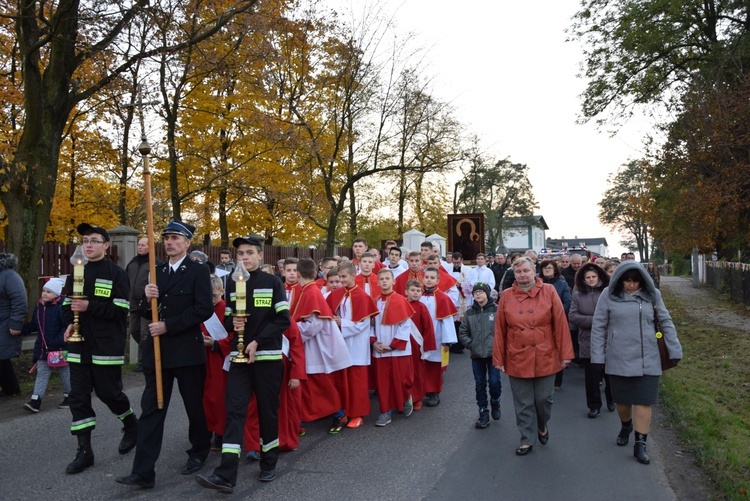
point(258, 356)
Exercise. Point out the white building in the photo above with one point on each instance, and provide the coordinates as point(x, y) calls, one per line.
point(525, 233)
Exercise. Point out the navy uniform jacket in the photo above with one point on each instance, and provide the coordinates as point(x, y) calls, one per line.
point(103, 324)
point(184, 304)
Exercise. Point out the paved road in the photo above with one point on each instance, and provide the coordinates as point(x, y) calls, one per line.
point(435, 454)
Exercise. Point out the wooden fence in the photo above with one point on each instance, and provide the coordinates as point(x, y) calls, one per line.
point(730, 278)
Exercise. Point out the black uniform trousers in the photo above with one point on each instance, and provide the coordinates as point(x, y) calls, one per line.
point(190, 381)
point(106, 381)
point(263, 379)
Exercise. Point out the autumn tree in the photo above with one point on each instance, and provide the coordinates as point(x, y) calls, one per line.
point(500, 189)
point(56, 44)
point(651, 51)
point(626, 205)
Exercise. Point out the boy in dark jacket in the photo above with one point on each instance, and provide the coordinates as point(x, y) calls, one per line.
point(477, 335)
point(47, 321)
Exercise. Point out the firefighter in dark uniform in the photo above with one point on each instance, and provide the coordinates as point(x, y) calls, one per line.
point(183, 288)
point(267, 318)
point(96, 363)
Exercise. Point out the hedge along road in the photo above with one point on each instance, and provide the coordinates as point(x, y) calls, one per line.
point(434, 454)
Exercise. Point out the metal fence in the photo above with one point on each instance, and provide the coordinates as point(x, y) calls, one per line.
point(730, 278)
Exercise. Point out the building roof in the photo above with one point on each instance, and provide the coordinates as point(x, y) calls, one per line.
point(526, 220)
point(575, 242)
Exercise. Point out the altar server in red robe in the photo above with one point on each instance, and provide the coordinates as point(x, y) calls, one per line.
point(325, 351)
point(353, 309)
point(423, 323)
point(391, 344)
point(441, 310)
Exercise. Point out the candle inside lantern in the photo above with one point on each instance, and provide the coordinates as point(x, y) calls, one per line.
point(241, 295)
point(78, 260)
point(240, 277)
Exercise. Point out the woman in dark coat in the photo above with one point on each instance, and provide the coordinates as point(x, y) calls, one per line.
point(13, 309)
point(624, 339)
point(550, 274)
point(590, 281)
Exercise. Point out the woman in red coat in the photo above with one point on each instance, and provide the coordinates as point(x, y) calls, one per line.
point(532, 343)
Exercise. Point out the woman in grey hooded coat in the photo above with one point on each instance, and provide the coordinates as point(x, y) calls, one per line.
point(623, 338)
point(13, 310)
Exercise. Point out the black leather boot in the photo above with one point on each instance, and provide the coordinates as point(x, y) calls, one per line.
point(624, 436)
point(84, 456)
point(129, 434)
point(639, 449)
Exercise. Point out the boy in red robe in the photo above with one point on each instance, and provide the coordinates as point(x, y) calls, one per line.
point(353, 310)
point(216, 377)
point(291, 283)
point(359, 247)
point(423, 323)
point(325, 351)
point(441, 310)
point(391, 343)
point(414, 260)
point(368, 280)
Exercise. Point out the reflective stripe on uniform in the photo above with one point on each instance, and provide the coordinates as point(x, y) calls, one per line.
point(107, 360)
point(231, 449)
point(266, 448)
point(281, 306)
point(122, 303)
point(74, 358)
point(122, 416)
point(82, 424)
point(267, 355)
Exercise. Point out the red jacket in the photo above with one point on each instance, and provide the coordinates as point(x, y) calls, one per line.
point(531, 332)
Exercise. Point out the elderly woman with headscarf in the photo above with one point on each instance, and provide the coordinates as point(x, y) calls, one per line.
point(532, 343)
point(624, 339)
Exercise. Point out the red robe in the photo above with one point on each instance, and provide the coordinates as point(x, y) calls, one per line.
point(423, 322)
point(444, 308)
point(321, 395)
point(399, 285)
point(372, 280)
point(216, 377)
point(394, 375)
point(357, 398)
point(290, 401)
point(321, 282)
point(292, 293)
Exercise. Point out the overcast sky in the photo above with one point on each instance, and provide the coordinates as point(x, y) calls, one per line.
point(511, 76)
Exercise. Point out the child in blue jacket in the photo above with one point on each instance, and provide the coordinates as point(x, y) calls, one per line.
point(47, 321)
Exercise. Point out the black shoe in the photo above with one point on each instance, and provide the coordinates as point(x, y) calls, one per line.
point(192, 465)
point(33, 405)
point(84, 459)
point(136, 480)
point(594, 413)
point(496, 412)
point(65, 404)
point(215, 482)
point(611, 406)
point(543, 439)
point(432, 399)
point(267, 476)
point(129, 439)
point(639, 449)
point(484, 419)
point(523, 450)
point(624, 436)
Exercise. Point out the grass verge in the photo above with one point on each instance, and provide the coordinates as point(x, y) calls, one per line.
point(707, 398)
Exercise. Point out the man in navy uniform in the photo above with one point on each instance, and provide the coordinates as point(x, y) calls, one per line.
point(183, 289)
